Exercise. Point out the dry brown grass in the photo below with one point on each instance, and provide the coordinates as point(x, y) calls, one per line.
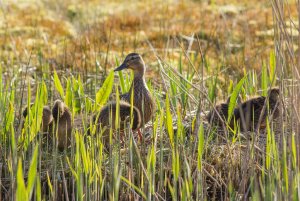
point(76, 33)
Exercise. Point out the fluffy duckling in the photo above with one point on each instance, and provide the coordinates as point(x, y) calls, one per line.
point(248, 113)
point(47, 118)
point(142, 98)
point(106, 117)
point(63, 124)
point(219, 114)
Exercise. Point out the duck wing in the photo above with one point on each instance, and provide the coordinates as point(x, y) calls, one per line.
point(125, 97)
point(218, 115)
point(257, 107)
point(248, 113)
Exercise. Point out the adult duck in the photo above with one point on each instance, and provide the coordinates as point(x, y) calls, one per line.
point(142, 98)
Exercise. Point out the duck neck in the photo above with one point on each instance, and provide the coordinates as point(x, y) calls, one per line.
point(139, 80)
point(138, 83)
point(139, 75)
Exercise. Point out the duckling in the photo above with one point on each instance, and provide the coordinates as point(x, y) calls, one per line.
point(63, 125)
point(219, 114)
point(47, 118)
point(249, 112)
point(142, 98)
point(106, 117)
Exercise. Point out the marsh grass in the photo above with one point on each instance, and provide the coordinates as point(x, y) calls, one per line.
point(172, 162)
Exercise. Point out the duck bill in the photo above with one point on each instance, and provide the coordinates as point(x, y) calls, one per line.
point(123, 66)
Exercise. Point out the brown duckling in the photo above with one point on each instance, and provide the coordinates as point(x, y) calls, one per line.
point(219, 114)
point(248, 113)
point(106, 117)
point(63, 124)
point(47, 118)
point(142, 98)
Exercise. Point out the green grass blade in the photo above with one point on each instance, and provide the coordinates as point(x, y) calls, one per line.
point(72, 169)
point(103, 93)
point(212, 89)
point(175, 164)
point(44, 96)
point(169, 120)
point(69, 99)
point(49, 183)
point(180, 134)
point(58, 85)
point(9, 116)
point(264, 80)
point(200, 146)
point(230, 87)
point(134, 187)
point(272, 68)
point(285, 167)
point(117, 115)
point(32, 172)
point(1, 85)
point(268, 147)
point(83, 152)
point(13, 140)
point(77, 91)
point(38, 189)
point(21, 188)
point(294, 151)
point(234, 97)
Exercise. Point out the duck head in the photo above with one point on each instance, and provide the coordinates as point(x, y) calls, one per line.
point(47, 115)
point(134, 62)
point(25, 111)
point(274, 93)
point(58, 109)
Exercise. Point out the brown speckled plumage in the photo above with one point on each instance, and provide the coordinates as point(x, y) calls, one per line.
point(248, 113)
point(142, 98)
point(63, 124)
point(106, 117)
point(219, 114)
point(47, 118)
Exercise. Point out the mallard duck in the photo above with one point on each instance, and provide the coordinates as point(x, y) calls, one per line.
point(219, 114)
point(62, 124)
point(106, 117)
point(248, 113)
point(47, 118)
point(142, 98)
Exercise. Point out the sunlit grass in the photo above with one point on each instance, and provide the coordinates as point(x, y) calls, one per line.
point(172, 162)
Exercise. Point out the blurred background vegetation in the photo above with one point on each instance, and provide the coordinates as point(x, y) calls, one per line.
point(77, 34)
point(195, 52)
